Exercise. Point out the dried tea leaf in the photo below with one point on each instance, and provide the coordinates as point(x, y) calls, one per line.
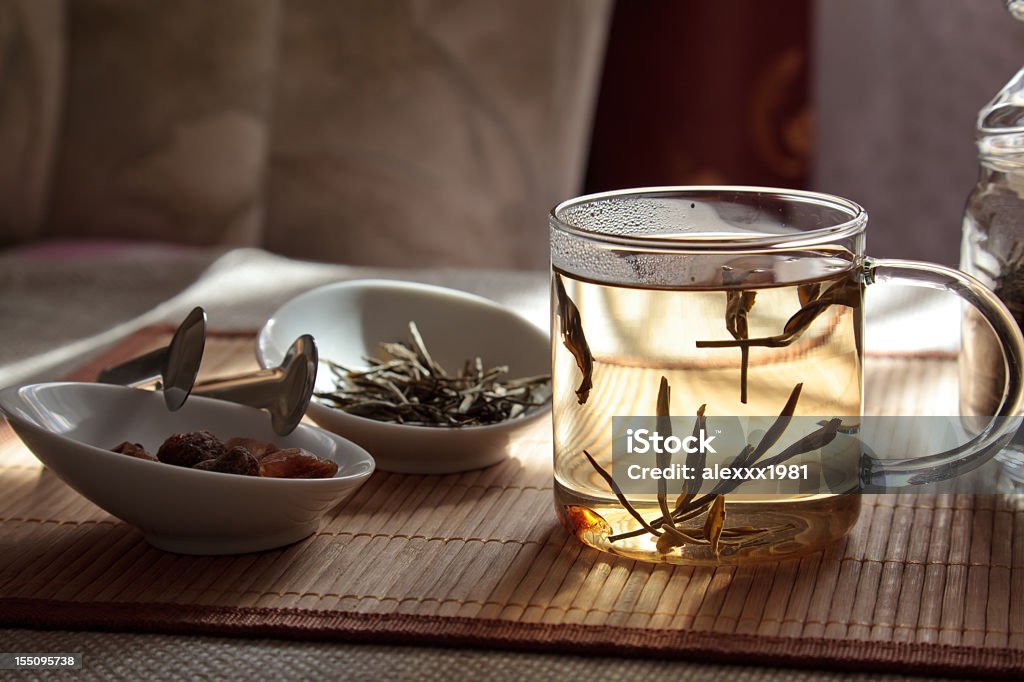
point(662, 409)
point(571, 328)
point(750, 536)
point(618, 494)
point(809, 443)
point(688, 506)
point(667, 542)
point(422, 353)
point(748, 457)
point(737, 305)
point(664, 427)
point(696, 460)
point(673, 537)
point(808, 292)
point(745, 459)
point(583, 521)
point(1008, 280)
point(410, 387)
point(778, 427)
point(742, 531)
point(846, 292)
point(715, 522)
point(693, 508)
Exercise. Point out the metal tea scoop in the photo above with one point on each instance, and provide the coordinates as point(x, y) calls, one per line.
point(176, 365)
point(284, 391)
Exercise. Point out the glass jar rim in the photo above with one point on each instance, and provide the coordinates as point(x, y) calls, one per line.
point(853, 226)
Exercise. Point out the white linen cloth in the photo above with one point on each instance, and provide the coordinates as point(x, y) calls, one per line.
point(57, 310)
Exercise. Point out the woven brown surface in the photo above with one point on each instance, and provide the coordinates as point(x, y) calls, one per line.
point(924, 583)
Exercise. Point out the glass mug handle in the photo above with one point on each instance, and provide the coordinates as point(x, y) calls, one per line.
point(998, 432)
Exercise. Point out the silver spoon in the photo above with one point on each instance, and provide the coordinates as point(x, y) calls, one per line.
point(284, 391)
point(175, 366)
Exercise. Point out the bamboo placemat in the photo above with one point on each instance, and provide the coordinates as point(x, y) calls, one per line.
point(924, 583)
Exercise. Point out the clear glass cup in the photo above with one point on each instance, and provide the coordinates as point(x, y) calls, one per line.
point(738, 302)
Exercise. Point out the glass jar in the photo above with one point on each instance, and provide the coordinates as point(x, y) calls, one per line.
point(992, 249)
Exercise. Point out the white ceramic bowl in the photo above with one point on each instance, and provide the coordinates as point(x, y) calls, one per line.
point(349, 320)
point(71, 427)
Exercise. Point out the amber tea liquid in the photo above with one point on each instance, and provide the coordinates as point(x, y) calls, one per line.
point(638, 335)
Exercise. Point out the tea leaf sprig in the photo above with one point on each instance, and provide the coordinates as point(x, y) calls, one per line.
point(1008, 283)
point(689, 505)
point(737, 306)
point(841, 293)
point(571, 331)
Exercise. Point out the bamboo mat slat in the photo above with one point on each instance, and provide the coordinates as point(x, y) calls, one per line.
point(924, 583)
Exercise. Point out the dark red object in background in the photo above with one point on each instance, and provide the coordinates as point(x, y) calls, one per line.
point(698, 92)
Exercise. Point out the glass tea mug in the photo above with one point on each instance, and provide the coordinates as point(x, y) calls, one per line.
point(728, 301)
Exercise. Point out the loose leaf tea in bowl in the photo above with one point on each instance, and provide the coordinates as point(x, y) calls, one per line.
point(405, 385)
point(394, 401)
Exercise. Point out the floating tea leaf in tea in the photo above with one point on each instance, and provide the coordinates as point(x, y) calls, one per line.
point(571, 327)
point(667, 529)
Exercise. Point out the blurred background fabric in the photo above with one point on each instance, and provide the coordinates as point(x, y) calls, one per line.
point(165, 123)
point(898, 87)
point(440, 132)
point(439, 128)
point(400, 132)
point(31, 93)
point(698, 92)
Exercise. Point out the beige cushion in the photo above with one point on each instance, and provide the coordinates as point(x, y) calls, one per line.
point(405, 132)
point(436, 132)
point(31, 82)
point(166, 120)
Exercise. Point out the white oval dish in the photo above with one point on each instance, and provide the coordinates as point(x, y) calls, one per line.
point(71, 427)
point(350, 319)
